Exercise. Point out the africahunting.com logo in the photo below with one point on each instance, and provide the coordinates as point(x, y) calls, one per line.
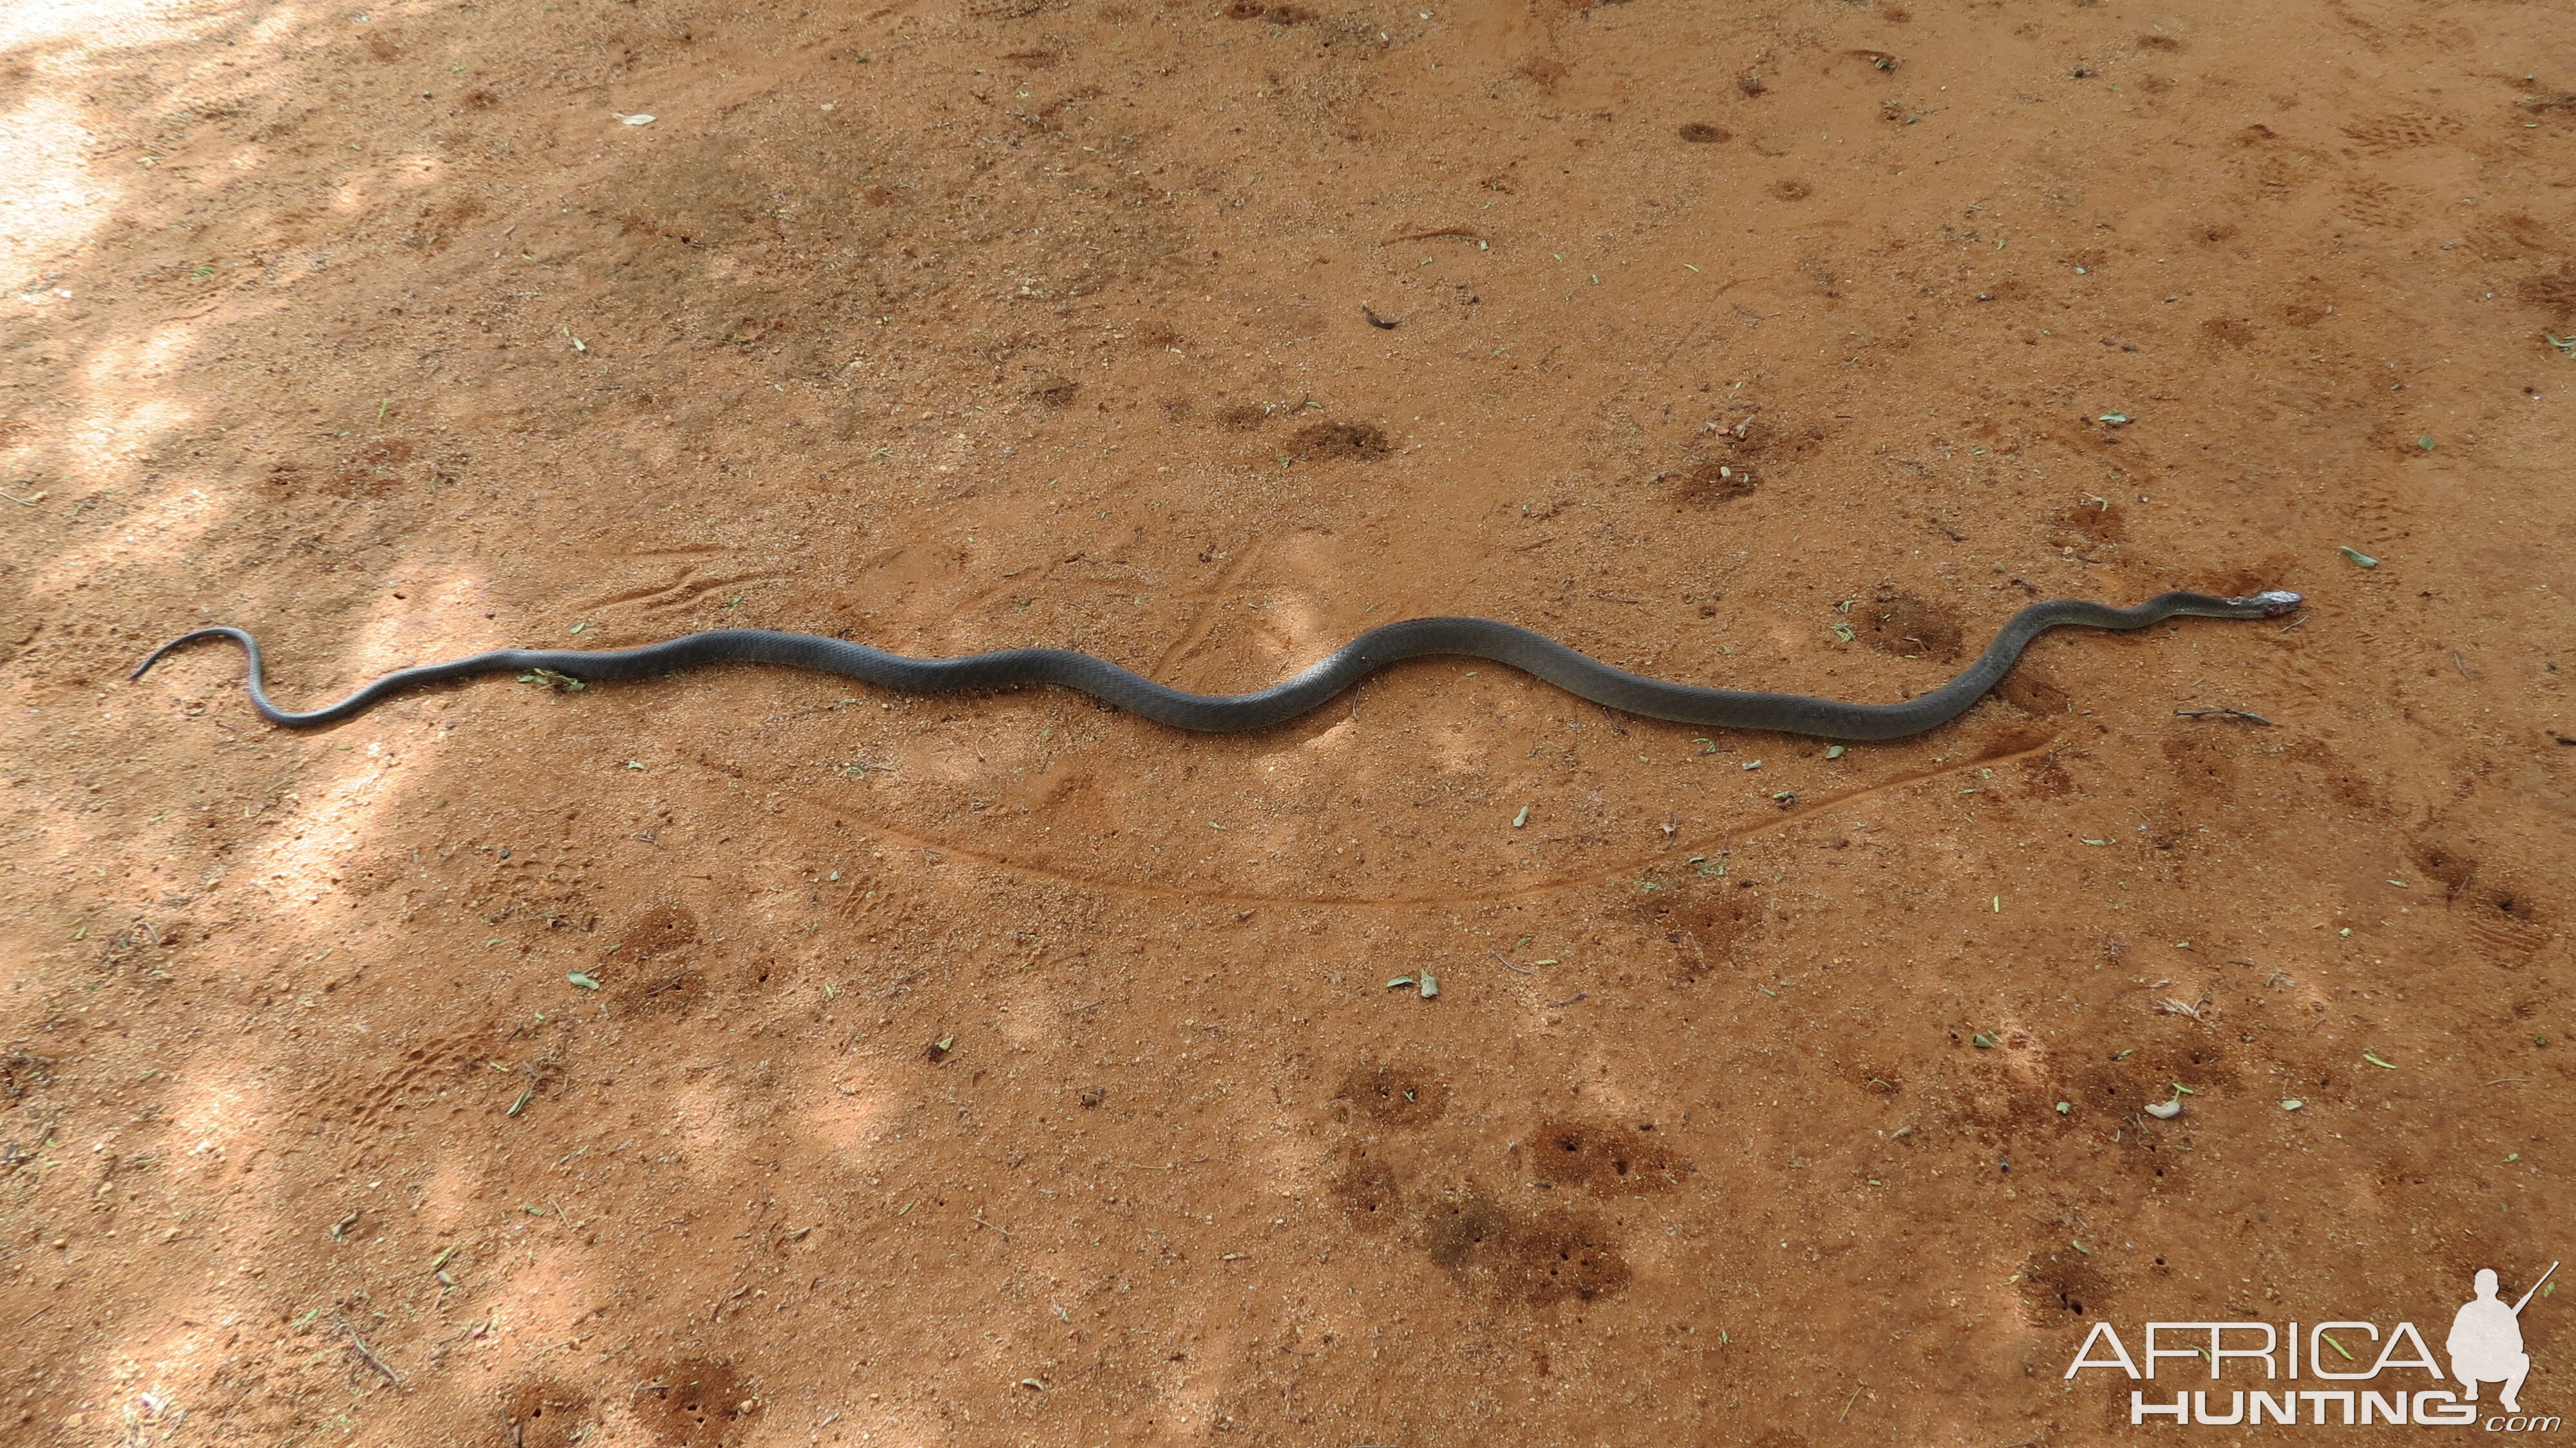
point(2484, 1348)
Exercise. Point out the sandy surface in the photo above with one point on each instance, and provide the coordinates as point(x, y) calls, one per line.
point(1770, 1096)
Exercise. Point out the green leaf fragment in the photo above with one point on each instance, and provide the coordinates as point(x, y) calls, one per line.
point(1430, 985)
point(1836, 752)
point(1399, 982)
point(582, 980)
point(2374, 1060)
point(2357, 556)
point(2292, 1104)
point(1982, 1041)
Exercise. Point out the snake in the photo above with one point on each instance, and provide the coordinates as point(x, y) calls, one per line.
point(1478, 638)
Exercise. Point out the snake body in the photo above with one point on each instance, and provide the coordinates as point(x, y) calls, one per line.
point(1480, 638)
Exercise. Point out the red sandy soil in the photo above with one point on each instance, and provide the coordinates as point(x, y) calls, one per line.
point(1762, 345)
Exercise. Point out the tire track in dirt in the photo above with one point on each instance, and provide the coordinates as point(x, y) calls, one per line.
point(2016, 752)
point(1209, 602)
point(680, 592)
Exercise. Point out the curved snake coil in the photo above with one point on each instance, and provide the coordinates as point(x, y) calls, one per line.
point(1414, 638)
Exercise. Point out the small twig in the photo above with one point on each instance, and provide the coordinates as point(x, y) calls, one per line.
point(718, 1313)
point(1569, 1000)
point(1856, 1392)
point(2223, 714)
point(1615, 726)
point(1507, 965)
point(2506, 1080)
point(1374, 320)
point(27, 502)
point(2461, 664)
point(2294, 623)
point(367, 1352)
point(1442, 231)
point(996, 1226)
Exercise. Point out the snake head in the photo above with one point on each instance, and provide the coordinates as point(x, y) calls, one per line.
point(2274, 602)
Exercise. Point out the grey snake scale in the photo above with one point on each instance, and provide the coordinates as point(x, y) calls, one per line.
point(1479, 638)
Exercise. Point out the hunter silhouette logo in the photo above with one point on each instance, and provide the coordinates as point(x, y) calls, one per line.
point(2486, 1342)
point(2363, 1375)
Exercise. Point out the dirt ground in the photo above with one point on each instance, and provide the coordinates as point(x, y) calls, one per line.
point(752, 1057)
